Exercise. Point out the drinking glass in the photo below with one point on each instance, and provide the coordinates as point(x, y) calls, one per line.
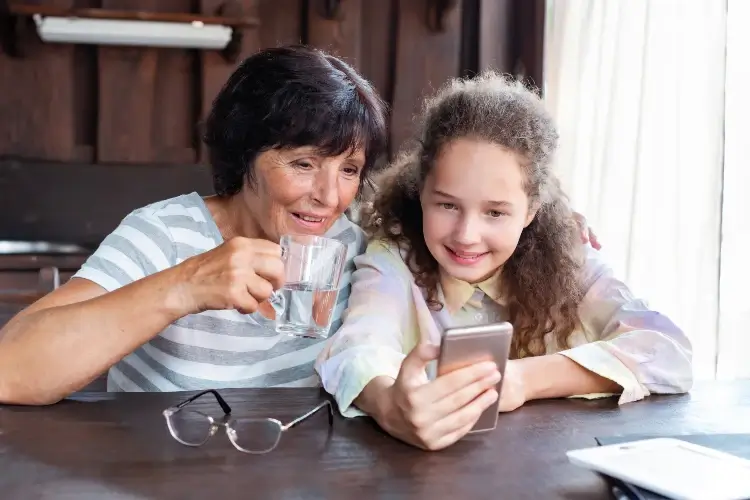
point(304, 306)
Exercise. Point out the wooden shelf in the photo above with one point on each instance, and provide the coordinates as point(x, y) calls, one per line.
point(135, 15)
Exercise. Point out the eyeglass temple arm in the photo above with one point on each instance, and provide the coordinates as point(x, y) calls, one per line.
point(224, 406)
point(325, 404)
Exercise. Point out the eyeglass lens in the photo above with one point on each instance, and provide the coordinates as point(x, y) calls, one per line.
point(255, 435)
point(190, 427)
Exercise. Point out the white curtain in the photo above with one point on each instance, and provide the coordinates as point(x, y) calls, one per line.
point(637, 88)
point(734, 307)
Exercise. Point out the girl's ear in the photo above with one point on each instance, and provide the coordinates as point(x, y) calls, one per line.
point(533, 209)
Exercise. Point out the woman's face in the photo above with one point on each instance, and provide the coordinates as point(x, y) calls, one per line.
point(474, 208)
point(300, 192)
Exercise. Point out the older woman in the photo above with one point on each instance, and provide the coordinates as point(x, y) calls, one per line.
point(162, 304)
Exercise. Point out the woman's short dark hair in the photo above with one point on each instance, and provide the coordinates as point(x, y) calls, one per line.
point(289, 97)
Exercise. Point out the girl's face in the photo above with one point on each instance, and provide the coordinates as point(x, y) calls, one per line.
point(474, 208)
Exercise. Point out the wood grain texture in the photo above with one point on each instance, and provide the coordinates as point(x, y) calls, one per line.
point(280, 22)
point(175, 109)
point(68, 450)
point(214, 68)
point(82, 203)
point(496, 29)
point(37, 112)
point(85, 101)
point(341, 36)
point(529, 40)
point(379, 45)
point(127, 77)
point(99, 104)
point(146, 99)
point(425, 60)
point(378, 55)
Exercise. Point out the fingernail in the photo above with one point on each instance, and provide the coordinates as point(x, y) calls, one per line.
point(489, 366)
point(492, 395)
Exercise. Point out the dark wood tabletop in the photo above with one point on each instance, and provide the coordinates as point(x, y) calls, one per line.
point(99, 445)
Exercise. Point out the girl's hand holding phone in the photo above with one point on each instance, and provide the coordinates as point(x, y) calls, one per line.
point(435, 414)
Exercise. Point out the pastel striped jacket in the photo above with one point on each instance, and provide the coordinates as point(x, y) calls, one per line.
point(620, 338)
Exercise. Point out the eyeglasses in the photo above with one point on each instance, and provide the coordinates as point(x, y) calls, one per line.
point(249, 435)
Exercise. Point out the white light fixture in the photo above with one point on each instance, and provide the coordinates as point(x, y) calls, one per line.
point(193, 35)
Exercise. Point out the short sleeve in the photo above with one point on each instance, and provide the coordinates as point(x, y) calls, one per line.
point(140, 246)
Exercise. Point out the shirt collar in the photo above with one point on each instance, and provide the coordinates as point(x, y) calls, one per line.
point(457, 293)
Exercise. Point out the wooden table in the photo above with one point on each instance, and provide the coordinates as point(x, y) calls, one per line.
point(98, 445)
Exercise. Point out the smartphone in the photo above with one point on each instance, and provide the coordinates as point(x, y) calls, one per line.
point(464, 346)
point(670, 467)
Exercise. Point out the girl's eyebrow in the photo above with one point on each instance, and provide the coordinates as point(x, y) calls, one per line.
point(490, 202)
point(443, 193)
point(500, 203)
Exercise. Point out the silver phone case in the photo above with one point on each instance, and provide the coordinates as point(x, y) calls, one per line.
point(464, 346)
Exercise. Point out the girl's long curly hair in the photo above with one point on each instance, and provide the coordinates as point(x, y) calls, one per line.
point(540, 281)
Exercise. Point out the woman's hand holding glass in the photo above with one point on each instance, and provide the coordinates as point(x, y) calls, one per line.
point(239, 274)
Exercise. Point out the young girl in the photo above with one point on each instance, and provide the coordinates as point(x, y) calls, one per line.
point(471, 227)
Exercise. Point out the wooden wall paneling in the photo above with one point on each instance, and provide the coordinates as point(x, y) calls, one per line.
point(81, 203)
point(36, 98)
point(379, 24)
point(85, 101)
point(175, 107)
point(425, 60)
point(529, 40)
point(496, 48)
point(342, 35)
point(85, 94)
point(469, 52)
point(127, 77)
point(146, 96)
point(214, 69)
point(144, 105)
point(281, 22)
point(378, 54)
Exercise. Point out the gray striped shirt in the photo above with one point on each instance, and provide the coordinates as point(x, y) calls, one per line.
point(213, 349)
